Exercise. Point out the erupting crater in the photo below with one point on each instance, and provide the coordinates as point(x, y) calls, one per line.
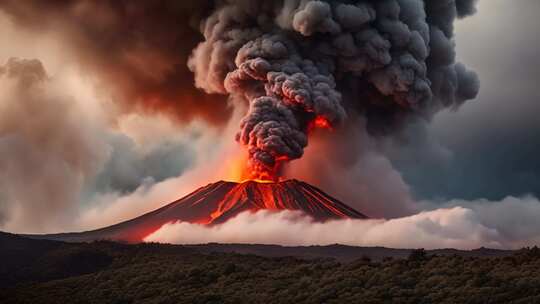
point(217, 202)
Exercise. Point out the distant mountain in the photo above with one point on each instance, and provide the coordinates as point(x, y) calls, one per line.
point(218, 202)
point(342, 253)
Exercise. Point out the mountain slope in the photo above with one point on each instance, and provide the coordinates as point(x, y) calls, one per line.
point(218, 202)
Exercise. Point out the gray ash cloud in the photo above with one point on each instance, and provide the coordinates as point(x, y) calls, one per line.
point(295, 61)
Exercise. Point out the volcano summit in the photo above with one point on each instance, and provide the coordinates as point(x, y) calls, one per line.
point(216, 203)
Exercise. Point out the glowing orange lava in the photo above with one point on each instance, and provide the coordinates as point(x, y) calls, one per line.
point(237, 170)
point(260, 181)
point(319, 122)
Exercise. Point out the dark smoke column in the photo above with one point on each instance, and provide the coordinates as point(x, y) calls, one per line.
point(286, 92)
point(301, 62)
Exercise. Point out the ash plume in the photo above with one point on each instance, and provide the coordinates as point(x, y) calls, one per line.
point(297, 63)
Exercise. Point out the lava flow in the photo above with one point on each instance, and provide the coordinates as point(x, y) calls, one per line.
point(217, 202)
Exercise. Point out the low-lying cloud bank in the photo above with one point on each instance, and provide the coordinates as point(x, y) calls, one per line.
point(510, 223)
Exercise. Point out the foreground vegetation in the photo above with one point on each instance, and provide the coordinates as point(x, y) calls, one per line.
point(105, 272)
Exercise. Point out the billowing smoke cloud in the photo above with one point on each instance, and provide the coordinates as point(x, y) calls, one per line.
point(488, 155)
point(44, 156)
point(136, 51)
point(298, 63)
point(483, 223)
point(347, 163)
point(57, 153)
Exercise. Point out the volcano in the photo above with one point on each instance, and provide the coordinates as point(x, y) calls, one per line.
point(217, 202)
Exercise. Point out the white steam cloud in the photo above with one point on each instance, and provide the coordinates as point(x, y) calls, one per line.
point(510, 223)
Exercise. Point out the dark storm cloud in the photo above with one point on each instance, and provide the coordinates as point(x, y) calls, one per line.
point(127, 167)
point(466, 7)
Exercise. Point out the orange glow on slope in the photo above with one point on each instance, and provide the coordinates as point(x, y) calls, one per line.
point(218, 202)
point(287, 195)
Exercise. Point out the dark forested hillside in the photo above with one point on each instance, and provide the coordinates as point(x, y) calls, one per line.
point(37, 271)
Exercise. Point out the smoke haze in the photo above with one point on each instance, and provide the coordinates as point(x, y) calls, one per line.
point(44, 157)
